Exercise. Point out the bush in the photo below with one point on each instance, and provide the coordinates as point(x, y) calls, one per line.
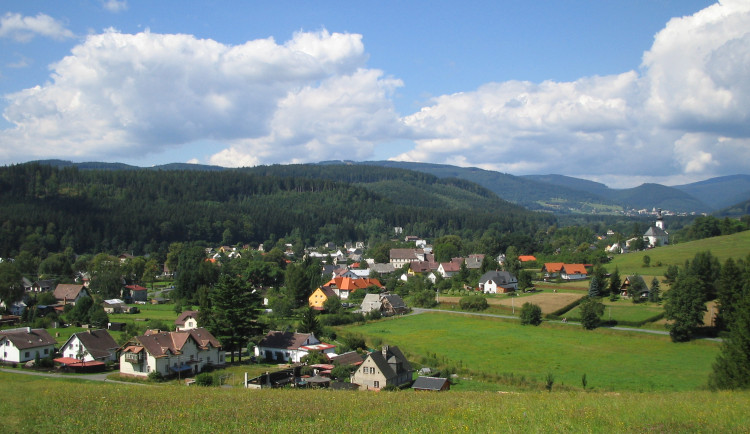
point(473, 302)
point(204, 379)
point(531, 314)
point(155, 376)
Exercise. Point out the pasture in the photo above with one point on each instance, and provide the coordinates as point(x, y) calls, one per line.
point(494, 349)
point(549, 301)
point(734, 246)
point(52, 405)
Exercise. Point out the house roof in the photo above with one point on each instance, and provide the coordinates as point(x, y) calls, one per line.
point(352, 283)
point(349, 358)
point(408, 254)
point(526, 258)
point(382, 268)
point(388, 358)
point(287, 340)
point(25, 338)
point(67, 291)
point(420, 266)
point(160, 344)
point(450, 267)
point(429, 383)
point(98, 343)
point(180, 321)
point(395, 301)
point(553, 267)
point(499, 277)
point(136, 288)
point(575, 269)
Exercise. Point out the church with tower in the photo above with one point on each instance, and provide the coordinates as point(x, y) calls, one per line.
point(656, 235)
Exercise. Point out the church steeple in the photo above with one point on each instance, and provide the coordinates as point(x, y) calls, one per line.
point(659, 219)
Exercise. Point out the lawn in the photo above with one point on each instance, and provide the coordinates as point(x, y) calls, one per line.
point(159, 312)
point(622, 310)
point(50, 405)
point(549, 301)
point(492, 349)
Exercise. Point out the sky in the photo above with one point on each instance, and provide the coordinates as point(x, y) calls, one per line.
point(617, 92)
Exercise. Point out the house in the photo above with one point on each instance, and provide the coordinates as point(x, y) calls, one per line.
point(187, 320)
point(474, 262)
point(382, 268)
point(90, 346)
point(630, 280)
point(66, 293)
point(23, 344)
point(494, 282)
point(383, 368)
point(43, 286)
point(526, 258)
point(448, 269)
point(387, 304)
point(171, 353)
point(343, 286)
point(318, 298)
point(573, 272)
point(434, 384)
point(400, 257)
point(657, 235)
point(290, 347)
point(552, 269)
point(136, 293)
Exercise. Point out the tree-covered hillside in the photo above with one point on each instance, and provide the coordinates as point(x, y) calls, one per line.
point(45, 208)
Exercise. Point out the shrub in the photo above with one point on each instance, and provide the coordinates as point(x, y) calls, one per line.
point(531, 314)
point(473, 302)
point(204, 379)
point(155, 376)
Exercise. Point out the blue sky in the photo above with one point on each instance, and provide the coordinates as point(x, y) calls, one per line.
point(618, 92)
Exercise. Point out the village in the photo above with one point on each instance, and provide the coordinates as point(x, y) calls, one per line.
point(186, 349)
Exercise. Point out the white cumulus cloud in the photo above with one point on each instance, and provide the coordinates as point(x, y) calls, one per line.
point(23, 28)
point(115, 5)
point(118, 95)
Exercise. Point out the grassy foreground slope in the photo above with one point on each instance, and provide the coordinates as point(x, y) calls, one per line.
point(492, 349)
point(736, 246)
point(48, 405)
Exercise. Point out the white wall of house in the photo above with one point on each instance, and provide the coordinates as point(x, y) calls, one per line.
point(10, 353)
point(74, 349)
point(191, 355)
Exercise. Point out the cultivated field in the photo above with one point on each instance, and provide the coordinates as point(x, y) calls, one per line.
point(48, 405)
point(498, 350)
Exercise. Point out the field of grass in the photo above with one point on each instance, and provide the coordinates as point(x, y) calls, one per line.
point(50, 405)
point(495, 350)
point(549, 301)
point(622, 310)
point(63, 334)
point(159, 312)
point(736, 246)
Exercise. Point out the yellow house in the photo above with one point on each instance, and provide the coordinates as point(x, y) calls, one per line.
point(319, 297)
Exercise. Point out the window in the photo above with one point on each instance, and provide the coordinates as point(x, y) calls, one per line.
point(46, 351)
point(376, 384)
point(26, 354)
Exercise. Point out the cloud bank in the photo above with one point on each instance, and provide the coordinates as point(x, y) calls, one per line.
point(682, 115)
point(23, 29)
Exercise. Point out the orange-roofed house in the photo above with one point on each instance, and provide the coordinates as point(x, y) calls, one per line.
point(574, 272)
point(527, 258)
point(552, 269)
point(343, 286)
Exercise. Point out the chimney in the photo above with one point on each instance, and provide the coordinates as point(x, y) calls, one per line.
point(385, 351)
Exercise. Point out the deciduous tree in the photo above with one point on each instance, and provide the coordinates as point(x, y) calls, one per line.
point(685, 307)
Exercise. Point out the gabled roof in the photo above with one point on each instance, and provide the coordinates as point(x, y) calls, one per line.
point(429, 383)
point(287, 340)
point(450, 267)
point(67, 291)
point(351, 283)
point(203, 338)
point(350, 358)
point(408, 254)
point(180, 321)
point(526, 258)
point(136, 288)
point(26, 338)
point(575, 269)
point(499, 277)
point(553, 267)
point(389, 357)
point(395, 301)
point(160, 344)
point(655, 231)
point(98, 343)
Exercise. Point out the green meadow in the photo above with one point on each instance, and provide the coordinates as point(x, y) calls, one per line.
point(66, 406)
point(495, 350)
point(736, 246)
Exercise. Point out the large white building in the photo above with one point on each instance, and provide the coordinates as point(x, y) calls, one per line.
point(23, 344)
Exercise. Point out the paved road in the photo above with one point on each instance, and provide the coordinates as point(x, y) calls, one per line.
point(418, 310)
point(90, 377)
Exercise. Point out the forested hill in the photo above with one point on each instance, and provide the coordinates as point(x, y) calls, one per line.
point(49, 208)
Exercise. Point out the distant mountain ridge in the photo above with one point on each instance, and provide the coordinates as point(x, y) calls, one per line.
point(554, 193)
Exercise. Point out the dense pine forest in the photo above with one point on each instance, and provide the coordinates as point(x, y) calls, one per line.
point(46, 209)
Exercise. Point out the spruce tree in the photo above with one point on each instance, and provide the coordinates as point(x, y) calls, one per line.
point(614, 283)
point(732, 367)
